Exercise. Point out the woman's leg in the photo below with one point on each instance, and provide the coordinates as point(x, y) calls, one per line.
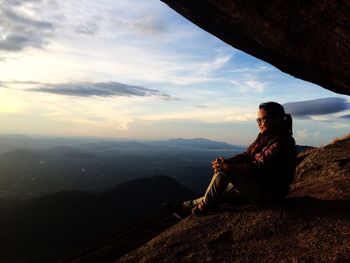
point(232, 196)
point(218, 185)
point(228, 188)
point(249, 187)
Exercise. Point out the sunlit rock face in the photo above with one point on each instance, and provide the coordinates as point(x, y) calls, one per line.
point(307, 39)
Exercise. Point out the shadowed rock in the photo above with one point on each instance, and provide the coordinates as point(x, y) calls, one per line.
point(307, 39)
point(305, 230)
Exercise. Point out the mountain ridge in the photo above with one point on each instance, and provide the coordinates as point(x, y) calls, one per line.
point(95, 165)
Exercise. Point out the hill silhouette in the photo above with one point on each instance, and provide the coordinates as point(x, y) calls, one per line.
point(46, 228)
point(313, 225)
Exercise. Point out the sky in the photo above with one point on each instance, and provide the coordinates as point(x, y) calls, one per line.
point(138, 70)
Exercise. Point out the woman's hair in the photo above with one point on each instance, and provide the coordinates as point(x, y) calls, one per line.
point(276, 111)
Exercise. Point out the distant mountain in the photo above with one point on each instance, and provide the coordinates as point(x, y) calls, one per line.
point(94, 165)
point(17, 141)
point(46, 228)
point(20, 155)
point(13, 142)
point(196, 143)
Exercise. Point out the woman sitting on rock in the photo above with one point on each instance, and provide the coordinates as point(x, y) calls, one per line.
point(260, 175)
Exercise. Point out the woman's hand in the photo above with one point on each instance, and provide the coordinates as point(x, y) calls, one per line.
point(220, 165)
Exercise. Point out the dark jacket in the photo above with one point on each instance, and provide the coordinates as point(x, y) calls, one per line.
point(271, 160)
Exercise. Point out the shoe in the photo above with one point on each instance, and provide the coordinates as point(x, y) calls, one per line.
point(177, 210)
point(199, 209)
point(202, 209)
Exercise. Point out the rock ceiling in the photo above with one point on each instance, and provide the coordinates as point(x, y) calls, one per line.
point(309, 40)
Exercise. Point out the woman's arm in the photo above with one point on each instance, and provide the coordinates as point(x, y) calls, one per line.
point(276, 153)
point(228, 166)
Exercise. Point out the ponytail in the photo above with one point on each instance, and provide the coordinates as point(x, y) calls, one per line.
point(288, 124)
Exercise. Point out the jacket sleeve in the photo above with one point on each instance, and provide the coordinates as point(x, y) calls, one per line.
point(239, 158)
point(244, 157)
point(274, 154)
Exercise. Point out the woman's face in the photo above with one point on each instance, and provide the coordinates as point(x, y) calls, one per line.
point(265, 122)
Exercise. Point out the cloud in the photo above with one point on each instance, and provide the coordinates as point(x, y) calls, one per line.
point(91, 26)
point(345, 116)
point(216, 64)
point(22, 82)
point(139, 23)
point(100, 89)
point(148, 25)
point(19, 29)
point(11, 84)
point(117, 19)
point(317, 107)
point(249, 70)
point(251, 85)
point(302, 134)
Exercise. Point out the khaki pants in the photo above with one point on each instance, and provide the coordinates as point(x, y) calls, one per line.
point(233, 189)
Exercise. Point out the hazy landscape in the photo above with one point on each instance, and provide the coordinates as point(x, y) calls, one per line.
point(31, 167)
point(59, 194)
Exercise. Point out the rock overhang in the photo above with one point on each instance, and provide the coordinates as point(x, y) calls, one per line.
point(309, 40)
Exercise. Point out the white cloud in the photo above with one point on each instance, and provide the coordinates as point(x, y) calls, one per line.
point(252, 70)
point(21, 26)
point(215, 64)
point(255, 85)
point(338, 125)
point(249, 86)
point(320, 118)
point(301, 135)
point(222, 115)
point(112, 46)
point(148, 25)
